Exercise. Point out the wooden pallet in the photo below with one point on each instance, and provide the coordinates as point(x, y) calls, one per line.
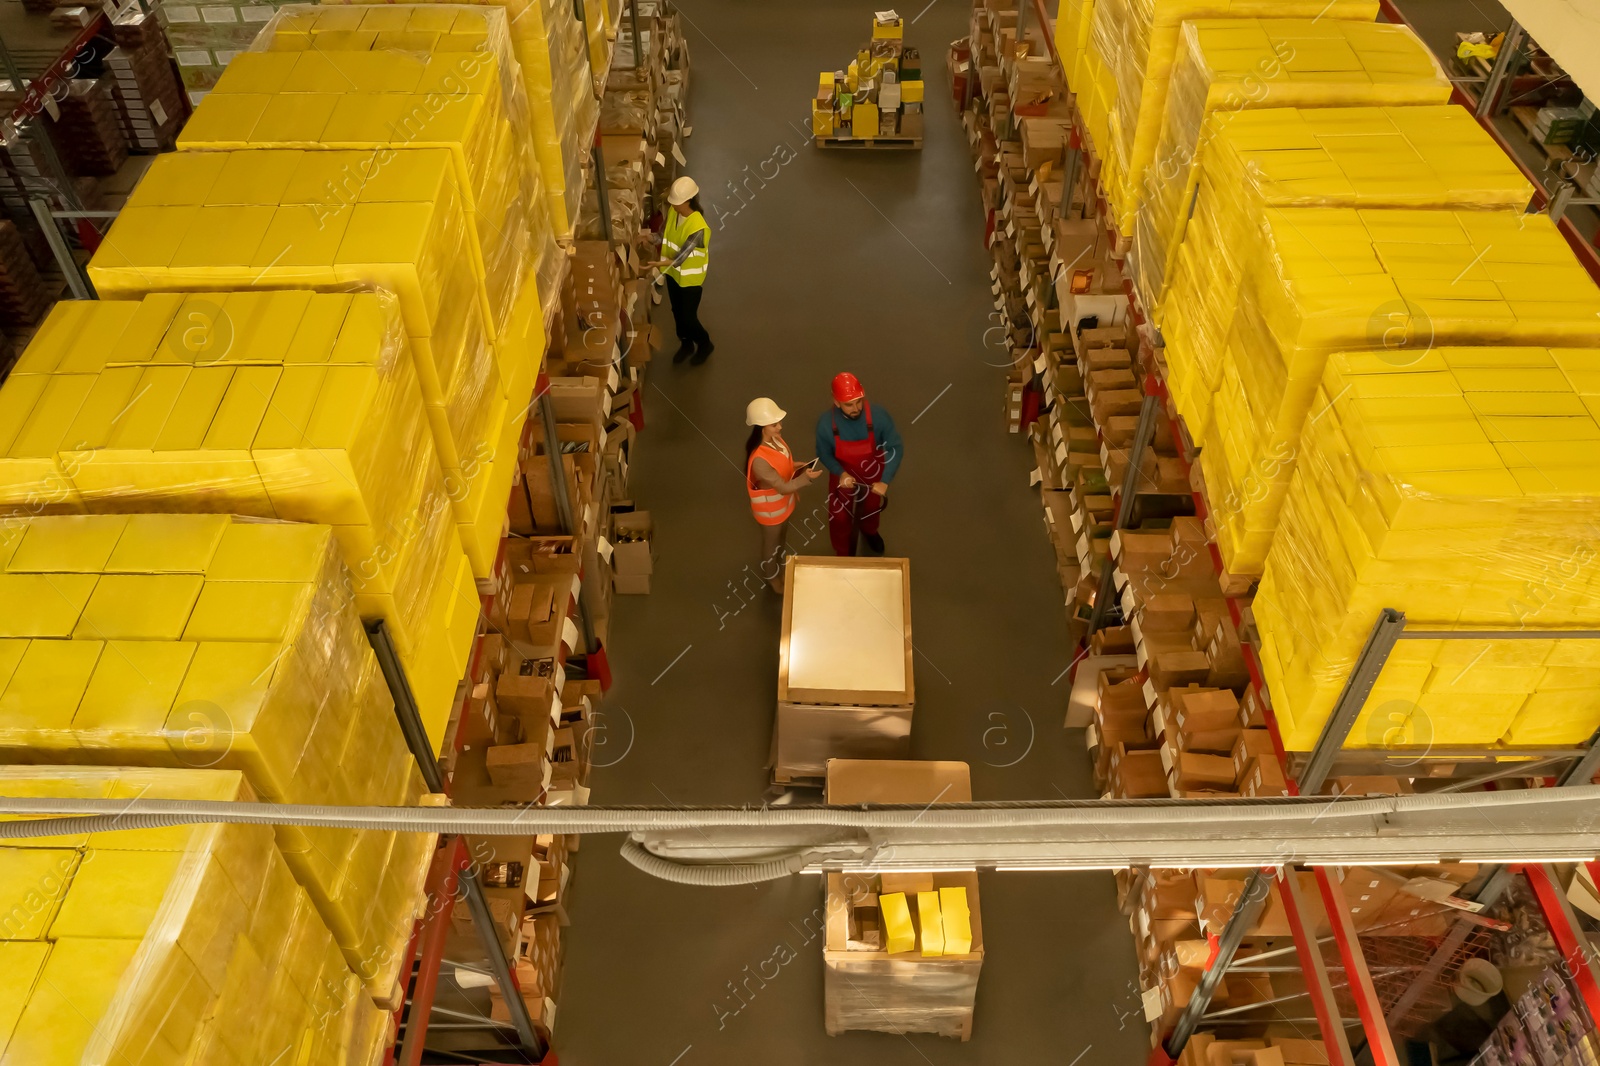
point(914, 143)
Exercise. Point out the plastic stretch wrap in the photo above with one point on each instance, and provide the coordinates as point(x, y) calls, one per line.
point(1462, 488)
point(1329, 279)
point(186, 944)
point(398, 228)
point(1433, 156)
point(1137, 42)
point(207, 34)
point(1226, 66)
point(513, 218)
point(627, 213)
point(548, 48)
point(403, 102)
point(289, 404)
point(286, 404)
point(626, 111)
point(203, 641)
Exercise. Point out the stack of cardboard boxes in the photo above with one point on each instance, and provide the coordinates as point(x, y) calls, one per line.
point(149, 100)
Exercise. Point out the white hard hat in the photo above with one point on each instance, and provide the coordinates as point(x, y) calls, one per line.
point(762, 412)
point(682, 191)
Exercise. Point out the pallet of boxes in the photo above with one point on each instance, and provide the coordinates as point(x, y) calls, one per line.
point(876, 102)
point(904, 949)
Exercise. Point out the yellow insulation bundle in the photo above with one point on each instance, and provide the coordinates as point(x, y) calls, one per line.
point(1433, 156)
point(1135, 44)
point(508, 207)
point(549, 47)
point(1398, 281)
point(403, 231)
point(1072, 37)
point(1462, 488)
point(1226, 66)
point(158, 946)
point(390, 104)
point(288, 405)
point(200, 641)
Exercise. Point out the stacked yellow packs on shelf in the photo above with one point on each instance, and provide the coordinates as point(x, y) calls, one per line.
point(1226, 66)
point(402, 231)
point(158, 946)
point(1464, 490)
point(287, 405)
point(1136, 42)
point(508, 210)
point(200, 641)
point(1330, 279)
point(1072, 37)
point(549, 47)
point(1433, 156)
point(389, 103)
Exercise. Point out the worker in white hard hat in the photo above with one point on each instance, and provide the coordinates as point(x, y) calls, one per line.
point(685, 244)
point(772, 478)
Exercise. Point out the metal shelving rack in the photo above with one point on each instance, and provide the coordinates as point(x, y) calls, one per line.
point(1307, 776)
point(452, 877)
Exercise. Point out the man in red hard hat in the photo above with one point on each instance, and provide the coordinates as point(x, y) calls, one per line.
point(862, 451)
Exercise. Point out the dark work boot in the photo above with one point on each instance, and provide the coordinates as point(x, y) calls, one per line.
point(685, 350)
point(703, 354)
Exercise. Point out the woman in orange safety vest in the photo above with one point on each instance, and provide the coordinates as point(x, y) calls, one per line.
point(772, 478)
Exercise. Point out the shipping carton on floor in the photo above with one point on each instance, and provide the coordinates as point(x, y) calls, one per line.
point(632, 551)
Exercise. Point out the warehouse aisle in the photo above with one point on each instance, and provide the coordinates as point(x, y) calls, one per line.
point(821, 262)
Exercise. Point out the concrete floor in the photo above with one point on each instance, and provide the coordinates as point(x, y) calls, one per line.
point(825, 261)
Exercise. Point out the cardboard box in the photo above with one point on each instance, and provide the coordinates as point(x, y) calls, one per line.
point(521, 768)
point(856, 781)
point(1251, 745)
point(631, 584)
point(1193, 771)
point(637, 556)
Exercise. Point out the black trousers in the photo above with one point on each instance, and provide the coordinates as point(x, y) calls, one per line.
point(685, 300)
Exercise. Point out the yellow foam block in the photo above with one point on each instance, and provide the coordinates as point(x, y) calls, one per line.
point(957, 920)
point(899, 935)
point(931, 924)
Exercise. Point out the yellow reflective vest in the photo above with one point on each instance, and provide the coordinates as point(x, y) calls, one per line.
point(693, 269)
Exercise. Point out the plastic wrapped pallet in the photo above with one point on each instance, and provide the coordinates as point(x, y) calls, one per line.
point(286, 405)
point(549, 47)
point(1136, 41)
point(1400, 281)
point(1433, 156)
point(401, 103)
point(159, 946)
point(199, 641)
point(1461, 488)
point(395, 228)
point(1226, 66)
point(512, 220)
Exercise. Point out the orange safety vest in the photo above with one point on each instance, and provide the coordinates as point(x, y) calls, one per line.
point(771, 507)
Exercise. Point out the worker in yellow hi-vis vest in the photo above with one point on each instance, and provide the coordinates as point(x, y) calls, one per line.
point(685, 247)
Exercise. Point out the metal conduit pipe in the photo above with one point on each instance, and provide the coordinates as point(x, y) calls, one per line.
point(100, 815)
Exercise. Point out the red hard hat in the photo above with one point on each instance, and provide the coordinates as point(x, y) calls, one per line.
point(846, 387)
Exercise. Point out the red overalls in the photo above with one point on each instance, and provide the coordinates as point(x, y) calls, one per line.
point(864, 461)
